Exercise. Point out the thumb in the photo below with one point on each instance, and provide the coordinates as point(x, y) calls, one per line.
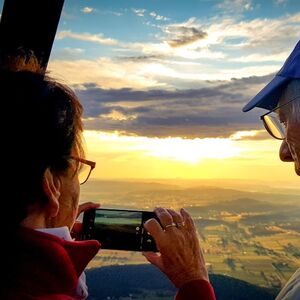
point(77, 227)
point(153, 258)
point(76, 230)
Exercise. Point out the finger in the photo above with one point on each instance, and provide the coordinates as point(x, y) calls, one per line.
point(154, 228)
point(188, 221)
point(86, 206)
point(177, 218)
point(164, 217)
point(76, 230)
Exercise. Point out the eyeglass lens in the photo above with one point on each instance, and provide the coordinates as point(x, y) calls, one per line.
point(83, 172)
point(274, 126)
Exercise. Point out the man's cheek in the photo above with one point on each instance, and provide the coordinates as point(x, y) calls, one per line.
point(297, 151)
point(297, 169)
point(293, 141)
point(296, 156)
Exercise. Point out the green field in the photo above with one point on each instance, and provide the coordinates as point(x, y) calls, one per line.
point(263, 260)
point(253, 236)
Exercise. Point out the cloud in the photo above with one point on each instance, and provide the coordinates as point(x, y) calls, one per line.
point(104, 72)
point(216, 39)
point(280, 57)
point(148, 72)
point(118, 115)
point(158, 17)
point(234, 6)
point(250, 135)
point(141, 58)
point(139, 12)
point(188, 49)
point(181, 35)
point(213, 111)
point(116, 13)
point(164, 89)
point(224, 38)
point(68, 53)
point(243, 36)
point(111, 12)
point(94, 38)
point(87, 10)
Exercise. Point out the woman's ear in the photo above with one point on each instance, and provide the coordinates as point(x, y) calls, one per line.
point(52, 187)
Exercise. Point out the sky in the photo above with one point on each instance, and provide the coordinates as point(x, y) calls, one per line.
point(163, 84)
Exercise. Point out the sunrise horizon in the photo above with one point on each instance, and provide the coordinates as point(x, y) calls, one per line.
point(151, 149)
point(163, 86)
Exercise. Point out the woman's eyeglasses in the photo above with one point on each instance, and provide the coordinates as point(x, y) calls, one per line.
point(84, 168)
point(273, 124)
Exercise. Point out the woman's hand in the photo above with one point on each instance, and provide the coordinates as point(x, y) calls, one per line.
point(77, 227)
point(180, 257)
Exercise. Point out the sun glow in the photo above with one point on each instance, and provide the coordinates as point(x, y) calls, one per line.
point(190, 150)
point(171, 148)
point(244, 155)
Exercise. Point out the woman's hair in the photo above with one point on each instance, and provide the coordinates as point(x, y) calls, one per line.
point(292, 92)
point(41, 124)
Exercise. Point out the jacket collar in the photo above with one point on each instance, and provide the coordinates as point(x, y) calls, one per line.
point(80, 253)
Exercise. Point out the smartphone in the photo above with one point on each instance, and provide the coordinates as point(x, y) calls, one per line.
point(119, 229)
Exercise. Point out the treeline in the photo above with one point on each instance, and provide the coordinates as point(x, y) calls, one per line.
point(142, 281)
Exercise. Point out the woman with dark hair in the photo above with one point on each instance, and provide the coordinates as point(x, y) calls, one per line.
point(42, 168)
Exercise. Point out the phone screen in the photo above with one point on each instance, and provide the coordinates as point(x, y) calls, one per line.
point(119, 229)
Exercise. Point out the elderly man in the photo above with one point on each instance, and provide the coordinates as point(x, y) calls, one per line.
point(282, 98)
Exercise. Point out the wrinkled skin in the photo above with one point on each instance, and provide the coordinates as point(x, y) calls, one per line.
point(180, 255)
point(62, 209)
point(290, 147)
point(69, 208)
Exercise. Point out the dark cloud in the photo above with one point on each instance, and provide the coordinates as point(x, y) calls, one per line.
point(95, 93)
point(235, 82)
point(185, 35)
point(169, 131)
point(213, 111)
point(140, 58)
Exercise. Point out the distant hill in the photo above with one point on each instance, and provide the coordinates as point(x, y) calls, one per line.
point(153, 194)
point(144, 281)
point(246, 205)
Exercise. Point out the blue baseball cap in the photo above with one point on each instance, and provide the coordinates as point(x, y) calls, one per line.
point(268, 97)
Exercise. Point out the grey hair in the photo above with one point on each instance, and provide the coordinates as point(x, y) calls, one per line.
point(291, 92)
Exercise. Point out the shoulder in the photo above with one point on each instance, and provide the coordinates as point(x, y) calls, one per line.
point(48, 267)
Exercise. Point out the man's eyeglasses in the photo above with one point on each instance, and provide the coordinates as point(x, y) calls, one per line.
point(273, 124)
point(84, 168)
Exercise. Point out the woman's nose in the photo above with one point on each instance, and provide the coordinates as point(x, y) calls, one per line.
point(285, 153)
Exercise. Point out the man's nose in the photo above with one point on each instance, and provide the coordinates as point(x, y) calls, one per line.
point(285, 153)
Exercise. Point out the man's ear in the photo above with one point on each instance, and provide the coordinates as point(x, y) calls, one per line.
point(52, 186)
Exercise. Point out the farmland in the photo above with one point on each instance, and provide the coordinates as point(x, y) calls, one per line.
point(249, 235)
